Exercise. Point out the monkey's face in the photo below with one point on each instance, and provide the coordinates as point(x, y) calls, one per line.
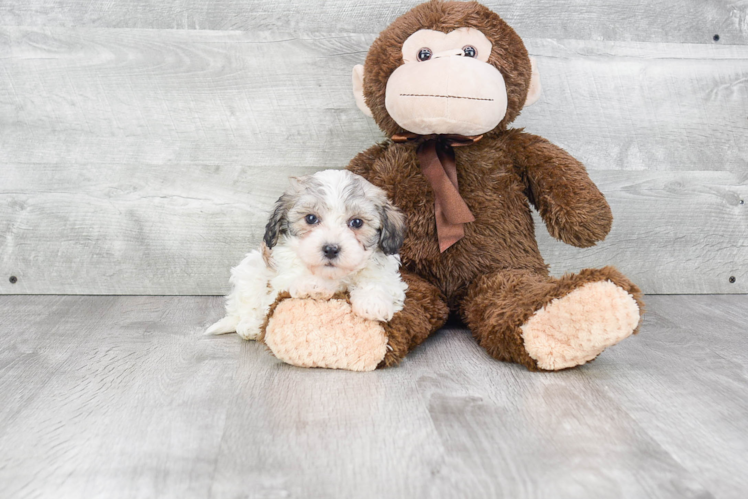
point(445, 85)
point(446, 68)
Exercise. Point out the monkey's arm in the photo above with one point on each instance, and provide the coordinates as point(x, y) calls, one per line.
point(572, 207)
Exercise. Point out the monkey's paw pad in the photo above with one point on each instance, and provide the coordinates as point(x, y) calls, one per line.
point(324, 334)
point(576, 328)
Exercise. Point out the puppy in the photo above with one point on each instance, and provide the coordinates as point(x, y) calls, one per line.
point(331, 232)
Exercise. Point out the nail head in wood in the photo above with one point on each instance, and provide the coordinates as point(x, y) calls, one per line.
point(732, 279)
point(13, 280)
point(716, 38)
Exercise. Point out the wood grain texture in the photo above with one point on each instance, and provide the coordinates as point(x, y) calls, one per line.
point(692, 412)
point(673, 232)
point(110, 396)
point(695, 21)
point(159, 97)
point(122, 397)
point(121, 229)
point(144, 161)
point(633, 106)
point(284, 100)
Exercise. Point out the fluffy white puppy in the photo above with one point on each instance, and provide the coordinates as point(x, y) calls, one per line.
point(332, 231)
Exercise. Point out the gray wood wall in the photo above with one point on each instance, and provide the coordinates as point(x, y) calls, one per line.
point(142, 142)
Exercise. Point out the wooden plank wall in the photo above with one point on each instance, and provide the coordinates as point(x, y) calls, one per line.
point(142, 142)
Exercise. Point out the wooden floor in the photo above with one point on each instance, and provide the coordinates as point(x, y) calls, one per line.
point(122, 396)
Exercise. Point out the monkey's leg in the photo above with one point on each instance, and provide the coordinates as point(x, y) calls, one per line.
point(550, 323)
point(424, 313)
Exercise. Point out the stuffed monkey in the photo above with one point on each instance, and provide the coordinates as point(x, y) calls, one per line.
point(444, 82)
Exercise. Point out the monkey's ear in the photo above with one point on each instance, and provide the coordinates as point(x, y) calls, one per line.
point(533, 93)
point(358, 89)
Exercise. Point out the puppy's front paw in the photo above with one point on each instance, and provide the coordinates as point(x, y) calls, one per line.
point(312, 288)
point(377, 307)
point(248, 330)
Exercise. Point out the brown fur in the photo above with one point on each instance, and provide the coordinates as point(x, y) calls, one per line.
point(498, 304)
point(425, 312)
point(508, 54)
point(495, 276)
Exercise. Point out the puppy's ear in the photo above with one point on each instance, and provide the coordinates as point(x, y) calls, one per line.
point(298, 183)
point(393, 229)
point(278, 223)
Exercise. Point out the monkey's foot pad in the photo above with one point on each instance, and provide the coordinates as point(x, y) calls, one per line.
point(324, 334)
point(576, 328)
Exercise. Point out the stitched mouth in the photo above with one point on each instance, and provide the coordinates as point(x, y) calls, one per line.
point(447, 97)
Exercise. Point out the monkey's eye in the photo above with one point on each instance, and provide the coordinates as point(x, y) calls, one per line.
point(311, 219)
point(355, 223)
point(469, 51)
point(424, 54)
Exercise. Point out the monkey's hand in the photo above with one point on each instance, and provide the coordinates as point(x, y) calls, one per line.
point(570, 204)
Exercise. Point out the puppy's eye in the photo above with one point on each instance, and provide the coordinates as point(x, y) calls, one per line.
point(469, 51)
point(355, 223)
point(311, 219)
point(424, 54)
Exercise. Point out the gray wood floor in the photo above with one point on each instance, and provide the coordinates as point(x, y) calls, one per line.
point(122, 396)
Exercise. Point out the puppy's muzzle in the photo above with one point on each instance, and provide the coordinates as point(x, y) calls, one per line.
point(330, 251)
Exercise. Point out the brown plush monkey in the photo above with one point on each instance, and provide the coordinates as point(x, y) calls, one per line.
point(444, 81)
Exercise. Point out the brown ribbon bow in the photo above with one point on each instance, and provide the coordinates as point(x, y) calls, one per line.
point(438, 165)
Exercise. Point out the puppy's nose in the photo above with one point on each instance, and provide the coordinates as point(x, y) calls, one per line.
point(331, 251)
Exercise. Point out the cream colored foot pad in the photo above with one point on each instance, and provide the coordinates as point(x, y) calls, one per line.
point(574, 329)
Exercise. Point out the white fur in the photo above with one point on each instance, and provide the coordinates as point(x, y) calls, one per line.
point(297, 265)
